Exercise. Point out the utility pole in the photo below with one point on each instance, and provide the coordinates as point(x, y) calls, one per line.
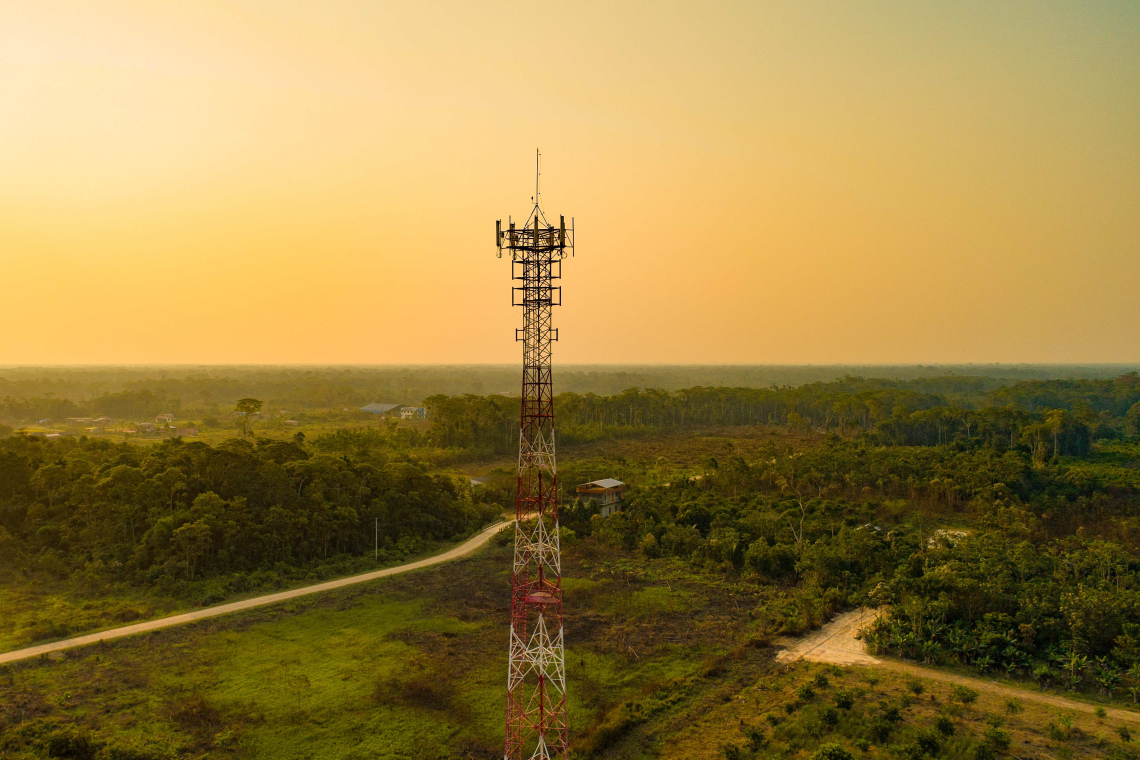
point(536, 725)
point(376, 539)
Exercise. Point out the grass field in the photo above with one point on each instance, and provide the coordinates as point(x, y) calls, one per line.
point(662, 663)
point(405, 667)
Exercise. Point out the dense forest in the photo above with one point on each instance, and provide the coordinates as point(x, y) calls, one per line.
point(165, 515)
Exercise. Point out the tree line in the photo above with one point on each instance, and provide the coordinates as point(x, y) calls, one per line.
point(1051, 418)
point(177, 512)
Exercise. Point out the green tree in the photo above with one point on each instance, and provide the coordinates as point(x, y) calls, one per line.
point(246, 408)
point(192, 541)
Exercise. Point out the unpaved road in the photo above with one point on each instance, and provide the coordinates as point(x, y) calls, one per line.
point(224, 609)
point(836, 643)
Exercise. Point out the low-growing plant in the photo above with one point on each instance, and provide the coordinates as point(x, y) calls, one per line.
point(929, 741)
point(997, 738)
point(964, 694)
point(832, 751)
point(756, 738)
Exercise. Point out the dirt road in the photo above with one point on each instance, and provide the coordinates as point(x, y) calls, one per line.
point(836, 643)
point(224, 609)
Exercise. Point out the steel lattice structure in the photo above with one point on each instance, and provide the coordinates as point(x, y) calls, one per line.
point(536, 676)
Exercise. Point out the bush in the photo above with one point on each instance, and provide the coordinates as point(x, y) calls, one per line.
point(732, 752)
point(997, 738)
point(756, 738)
point(821, 681)
point(71, 745)
point(964, 694)
point(1124, 734)
point(928, 741)
point(844, 700)
point(944, 725)
point(805, 692)
point(832, 752)
point(983, 752)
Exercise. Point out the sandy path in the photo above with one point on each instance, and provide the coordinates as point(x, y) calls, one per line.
point(836, 643)
point(259, 601)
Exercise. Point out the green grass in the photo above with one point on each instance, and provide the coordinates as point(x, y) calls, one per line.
point(406, 667)
point(42, 609)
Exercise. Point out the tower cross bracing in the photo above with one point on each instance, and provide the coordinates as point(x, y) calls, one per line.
point(536, 725)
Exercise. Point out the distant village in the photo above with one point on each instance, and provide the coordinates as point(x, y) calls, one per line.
point(166, 425)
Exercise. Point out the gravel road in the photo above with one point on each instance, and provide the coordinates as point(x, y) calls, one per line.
point(245, 604)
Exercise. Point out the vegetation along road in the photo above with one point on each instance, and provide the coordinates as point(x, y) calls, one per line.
point(224, 609)
point(837, 643)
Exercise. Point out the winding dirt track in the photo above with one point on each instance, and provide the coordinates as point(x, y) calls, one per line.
point(224, 609)
point(836, 643)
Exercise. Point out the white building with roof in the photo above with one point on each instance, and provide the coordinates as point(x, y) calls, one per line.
point(607, 492)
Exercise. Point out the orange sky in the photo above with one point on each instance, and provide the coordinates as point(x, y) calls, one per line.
point(752, 182)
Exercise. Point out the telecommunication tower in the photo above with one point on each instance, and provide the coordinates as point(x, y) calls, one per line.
point(536, 673)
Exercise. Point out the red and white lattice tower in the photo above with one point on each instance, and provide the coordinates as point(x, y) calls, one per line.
point(536, 675)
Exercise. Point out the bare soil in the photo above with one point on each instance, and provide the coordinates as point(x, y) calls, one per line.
point(836, 643)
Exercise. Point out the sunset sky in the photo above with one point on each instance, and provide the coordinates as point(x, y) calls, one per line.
point(752, 182)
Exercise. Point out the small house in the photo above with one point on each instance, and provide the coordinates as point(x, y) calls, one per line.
point(378, 408)
point(164, 418)
point(607, 492)
point(413, 413)
point(478, 482)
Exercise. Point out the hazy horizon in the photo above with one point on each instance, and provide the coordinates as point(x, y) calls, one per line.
point(762, 184)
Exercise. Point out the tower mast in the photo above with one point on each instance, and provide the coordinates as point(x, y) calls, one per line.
point(536, 673)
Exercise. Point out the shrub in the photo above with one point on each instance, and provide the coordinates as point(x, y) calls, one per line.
point(964, 694)
point(805, 692)
point(71, 745)
point(830, 716)
point(844, 700)
point(1100, 713)
point(1013, 706)
point(944, 725)
point(983, 752)
point(916, 687)
point(732, 752)
point(821, 681)
point(997, 738)
point(1124, 734)
point(928, 741)
point(832, 751)
point(756, 738)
